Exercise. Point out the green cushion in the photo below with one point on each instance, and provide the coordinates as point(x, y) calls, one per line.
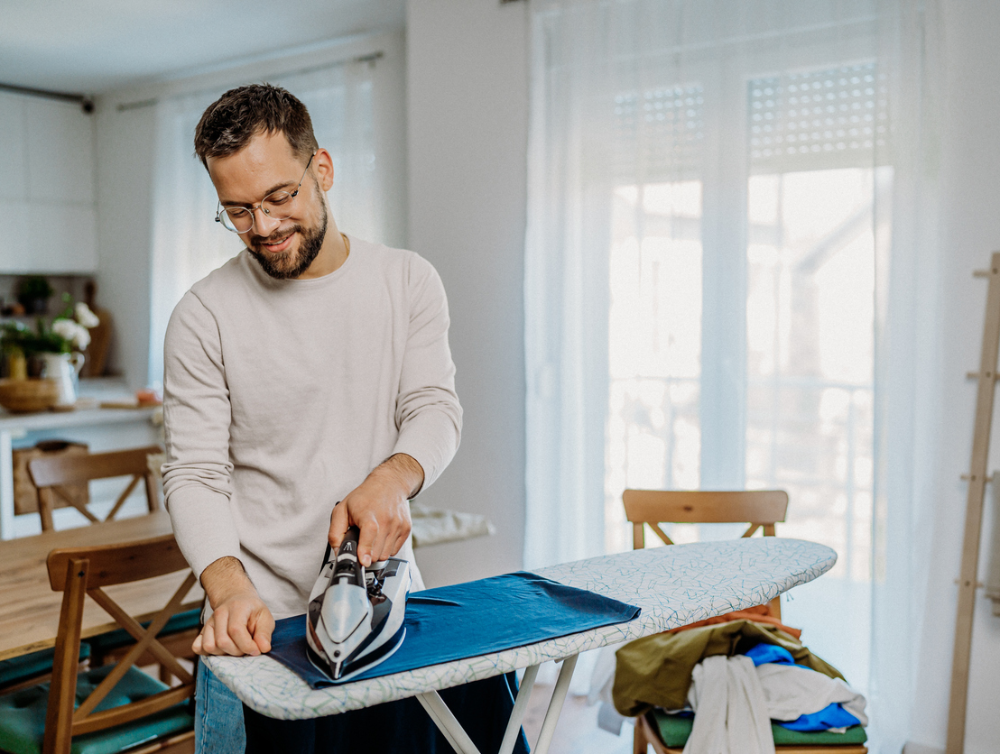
point(674, 730)
point(120, 638)
point(22, 715)
point(27, 666)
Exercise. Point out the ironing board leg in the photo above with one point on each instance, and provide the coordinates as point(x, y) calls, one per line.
point(452, 730)
point(555, 705)
point(520, 707)
point(447, 723)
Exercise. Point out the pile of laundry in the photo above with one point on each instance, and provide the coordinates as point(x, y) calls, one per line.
point(748, 677)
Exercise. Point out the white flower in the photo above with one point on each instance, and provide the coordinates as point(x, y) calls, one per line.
point(65, 328)
point(76, 334)
point(82, 338)
point(85, 316)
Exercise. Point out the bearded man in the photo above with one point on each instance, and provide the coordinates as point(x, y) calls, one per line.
point(311, 368)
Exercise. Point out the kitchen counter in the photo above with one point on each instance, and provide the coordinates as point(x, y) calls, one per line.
point(18, 426)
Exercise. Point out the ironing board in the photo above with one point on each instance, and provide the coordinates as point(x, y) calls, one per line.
point(674, 586)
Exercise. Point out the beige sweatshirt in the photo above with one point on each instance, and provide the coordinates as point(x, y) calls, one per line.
point(280, 396)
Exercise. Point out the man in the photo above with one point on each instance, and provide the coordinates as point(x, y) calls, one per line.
point(309, 386)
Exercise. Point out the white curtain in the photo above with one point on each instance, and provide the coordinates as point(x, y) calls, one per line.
point(908, 347)
point(187, 242)
point(730, 216)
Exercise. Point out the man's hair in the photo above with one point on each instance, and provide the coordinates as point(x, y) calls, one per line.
point(228, 124)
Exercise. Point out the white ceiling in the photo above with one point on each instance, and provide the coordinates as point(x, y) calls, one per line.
point(99, 45)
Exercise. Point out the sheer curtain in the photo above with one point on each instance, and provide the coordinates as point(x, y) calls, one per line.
point(729, 227)
point(187, 243)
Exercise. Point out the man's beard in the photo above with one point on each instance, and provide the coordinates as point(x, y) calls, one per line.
point(284, 266)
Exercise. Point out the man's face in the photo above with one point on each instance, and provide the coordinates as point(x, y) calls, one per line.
point(284, 248)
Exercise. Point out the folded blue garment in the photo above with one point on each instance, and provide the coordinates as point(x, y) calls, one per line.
point(466, 620)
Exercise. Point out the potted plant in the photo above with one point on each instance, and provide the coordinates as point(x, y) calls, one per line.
point(33, 294)
point(56, 349)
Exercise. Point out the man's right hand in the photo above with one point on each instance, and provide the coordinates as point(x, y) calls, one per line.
point(240, 623)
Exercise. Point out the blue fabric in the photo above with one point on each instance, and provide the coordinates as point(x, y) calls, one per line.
point(832, 716)
point(466, 620)
point(218, 716)
point(765, 653)
point(25, 667)
point(22, 715)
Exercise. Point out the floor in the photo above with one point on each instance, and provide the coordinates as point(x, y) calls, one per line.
point(577, 731)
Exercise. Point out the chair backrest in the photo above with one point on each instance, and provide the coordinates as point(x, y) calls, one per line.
point(52, 475)
point(85, 571)
point(761, 509)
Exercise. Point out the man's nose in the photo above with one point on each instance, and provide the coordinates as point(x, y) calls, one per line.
point(264, 224)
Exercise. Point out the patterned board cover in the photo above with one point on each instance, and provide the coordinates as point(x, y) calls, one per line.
point(674, 586)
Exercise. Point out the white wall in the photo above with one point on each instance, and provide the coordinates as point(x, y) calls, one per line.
point(467, 115)
point(970, 160)
point(125, 156)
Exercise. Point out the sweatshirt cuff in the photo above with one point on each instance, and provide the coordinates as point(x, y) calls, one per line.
point(203, 526)
point(432, 443)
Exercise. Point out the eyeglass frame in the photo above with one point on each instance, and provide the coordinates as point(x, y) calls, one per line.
point(260, 205)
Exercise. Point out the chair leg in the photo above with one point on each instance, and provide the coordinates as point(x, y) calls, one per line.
point(45, 506)
point(639, 744)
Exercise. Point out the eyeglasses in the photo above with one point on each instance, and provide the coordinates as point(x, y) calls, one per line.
point(277, 206)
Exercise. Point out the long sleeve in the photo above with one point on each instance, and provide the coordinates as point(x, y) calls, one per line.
point(196, 409)
point(428, 414)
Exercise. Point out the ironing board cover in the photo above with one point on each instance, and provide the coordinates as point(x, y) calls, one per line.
point(674, 586)
point(449, 623)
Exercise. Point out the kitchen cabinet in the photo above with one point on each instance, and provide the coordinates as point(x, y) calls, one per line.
point(47, 186)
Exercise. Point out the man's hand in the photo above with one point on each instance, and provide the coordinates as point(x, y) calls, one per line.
point(240, 623)
point(380, 508)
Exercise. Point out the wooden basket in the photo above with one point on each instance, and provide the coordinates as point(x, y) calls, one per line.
point(22, 396)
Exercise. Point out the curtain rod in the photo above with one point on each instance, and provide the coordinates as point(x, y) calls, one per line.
point(712, 44)
point(370, 58)
point(85, 102)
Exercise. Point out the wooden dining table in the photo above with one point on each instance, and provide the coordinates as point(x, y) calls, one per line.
point(29, 609)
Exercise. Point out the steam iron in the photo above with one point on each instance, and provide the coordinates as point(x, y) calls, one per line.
point(355, 615)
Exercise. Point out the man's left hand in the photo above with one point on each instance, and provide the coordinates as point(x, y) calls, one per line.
point(380, 508)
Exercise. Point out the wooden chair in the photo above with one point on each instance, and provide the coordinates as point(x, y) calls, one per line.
point(55, 477)
point(52, 475)
point(761, 509)
point(126, 705)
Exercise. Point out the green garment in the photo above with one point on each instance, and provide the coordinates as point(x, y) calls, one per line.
point(656, 671)
point(675, 731)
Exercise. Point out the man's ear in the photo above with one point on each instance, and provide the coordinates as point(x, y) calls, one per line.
point(323, 165)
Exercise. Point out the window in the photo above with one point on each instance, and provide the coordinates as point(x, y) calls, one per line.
point(774, 390)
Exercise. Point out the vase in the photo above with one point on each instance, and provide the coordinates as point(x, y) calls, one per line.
point(17, 365)
point(64, 368)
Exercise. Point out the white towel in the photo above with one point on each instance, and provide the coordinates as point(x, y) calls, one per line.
point(791, 691)
point(731, 716)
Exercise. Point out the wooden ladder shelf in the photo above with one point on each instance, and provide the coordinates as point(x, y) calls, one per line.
point(968, 581)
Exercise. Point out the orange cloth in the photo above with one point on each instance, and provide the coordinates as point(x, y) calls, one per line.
point(759, 614)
